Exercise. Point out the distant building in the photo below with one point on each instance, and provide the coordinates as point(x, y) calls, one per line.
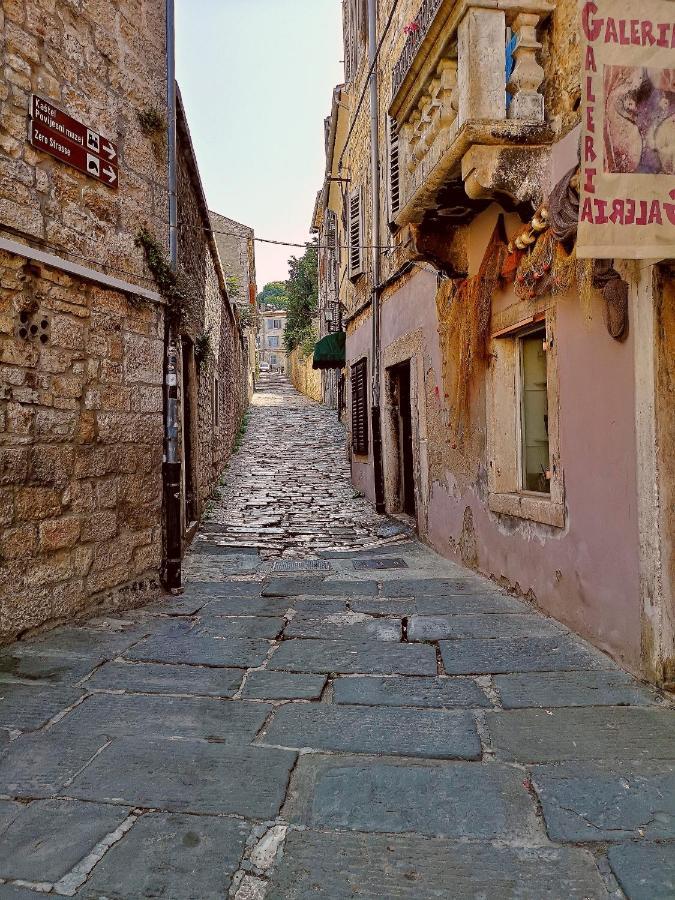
point(271, 348)
point(236, 248)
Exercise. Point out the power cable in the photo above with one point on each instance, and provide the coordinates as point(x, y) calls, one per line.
point(367, 81)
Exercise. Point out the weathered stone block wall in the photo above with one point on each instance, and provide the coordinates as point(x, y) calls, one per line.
point(208, 316)
point(80, 447)
point(102, 63)
point(81, 400)
point(303, 377)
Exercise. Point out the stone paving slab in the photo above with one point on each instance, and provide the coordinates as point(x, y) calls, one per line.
point(201, 650)
point(345, 657)
point(427, 588)
point(408, 867)
point(434, 734)
point(410, 691)
point(471, 604)
point(11, 892)
point(548, 689)
point(192, 717)
point(321, 606)
point(220, 590)
point(590, 733)
point(40, 764)
point(374, 606)
point(48, 668)
point(436, 628)
point(28, 706)
point(343, 626)
point(236, 627)
point(591, 803)
point(188, 776)
point(267, 685)
point(454, 799)
point(87, 642)
point(49, 837)
point(165, 678)
point(8, 812)
point(559, 654)
point(292, 586)
point(181, 857)
point(644, 871)
point(247, 605)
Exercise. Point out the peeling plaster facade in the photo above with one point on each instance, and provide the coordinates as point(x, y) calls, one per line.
point(594, 551)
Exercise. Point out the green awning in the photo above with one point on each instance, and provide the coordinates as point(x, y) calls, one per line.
point(329, 352)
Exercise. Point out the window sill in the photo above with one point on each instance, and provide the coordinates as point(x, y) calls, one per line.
point(528, 506)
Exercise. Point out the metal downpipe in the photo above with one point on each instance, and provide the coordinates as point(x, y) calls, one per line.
point(171, 469)
point(376, 425)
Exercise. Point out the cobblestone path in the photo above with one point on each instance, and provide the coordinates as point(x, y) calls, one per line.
point(392, 726)
point(287, 491)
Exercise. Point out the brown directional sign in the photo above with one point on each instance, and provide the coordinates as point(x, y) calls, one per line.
point(72, 142)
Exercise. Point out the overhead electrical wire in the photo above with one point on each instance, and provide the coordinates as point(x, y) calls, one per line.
point(367, 81)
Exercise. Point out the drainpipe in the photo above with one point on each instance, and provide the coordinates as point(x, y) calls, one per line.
point(172, 466)
point(376, 422)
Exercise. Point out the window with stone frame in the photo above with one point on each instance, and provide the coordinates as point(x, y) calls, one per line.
point(525, 478)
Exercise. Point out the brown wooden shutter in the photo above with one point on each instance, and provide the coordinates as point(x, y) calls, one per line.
point(359, 378)
point(394, 171)
point(355, 234)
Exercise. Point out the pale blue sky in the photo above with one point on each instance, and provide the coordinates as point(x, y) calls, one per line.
point(257, 77)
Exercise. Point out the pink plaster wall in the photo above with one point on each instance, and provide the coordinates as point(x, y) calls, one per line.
point(586, 574)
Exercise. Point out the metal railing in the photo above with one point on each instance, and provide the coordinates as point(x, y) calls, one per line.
point(418, 29)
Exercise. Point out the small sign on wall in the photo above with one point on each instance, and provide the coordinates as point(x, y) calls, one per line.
point(627, 205)
point(68, 140)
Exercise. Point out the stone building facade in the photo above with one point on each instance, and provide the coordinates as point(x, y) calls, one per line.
point(271, 348)
point(236, 247)
point(82, 323)
point(520, 435)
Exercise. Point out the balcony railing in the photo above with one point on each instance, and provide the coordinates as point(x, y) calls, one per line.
point(451, 85)
point(417, 31)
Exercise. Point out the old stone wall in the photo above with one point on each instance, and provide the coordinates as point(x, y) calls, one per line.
point(306, 379)
point(80, 447)
point(102, 63)
point(81, 397)
point(210, 324)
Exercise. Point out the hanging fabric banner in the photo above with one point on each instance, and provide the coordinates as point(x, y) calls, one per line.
point(627, 208)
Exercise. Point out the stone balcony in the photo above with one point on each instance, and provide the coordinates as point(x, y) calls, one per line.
point(468, 135)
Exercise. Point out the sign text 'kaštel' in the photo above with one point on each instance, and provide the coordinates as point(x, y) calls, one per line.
point(70, 141)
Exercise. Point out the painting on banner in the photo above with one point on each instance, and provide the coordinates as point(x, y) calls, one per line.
point(627, 208)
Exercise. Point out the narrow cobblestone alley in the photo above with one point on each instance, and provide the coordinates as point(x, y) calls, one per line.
point(378, 723)
point(287, 490)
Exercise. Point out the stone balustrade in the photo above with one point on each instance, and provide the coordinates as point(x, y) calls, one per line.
point(454, 93)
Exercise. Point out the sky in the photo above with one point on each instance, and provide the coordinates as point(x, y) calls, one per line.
point(256, 78)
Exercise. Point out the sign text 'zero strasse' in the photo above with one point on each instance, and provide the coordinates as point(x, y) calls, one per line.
point(70, 141)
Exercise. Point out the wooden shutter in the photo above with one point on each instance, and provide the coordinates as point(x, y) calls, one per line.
point(359, 378)
point(355, 233)
point(394, 171)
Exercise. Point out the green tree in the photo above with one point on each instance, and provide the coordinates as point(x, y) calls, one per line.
point(302, 289)
point(273, 295)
